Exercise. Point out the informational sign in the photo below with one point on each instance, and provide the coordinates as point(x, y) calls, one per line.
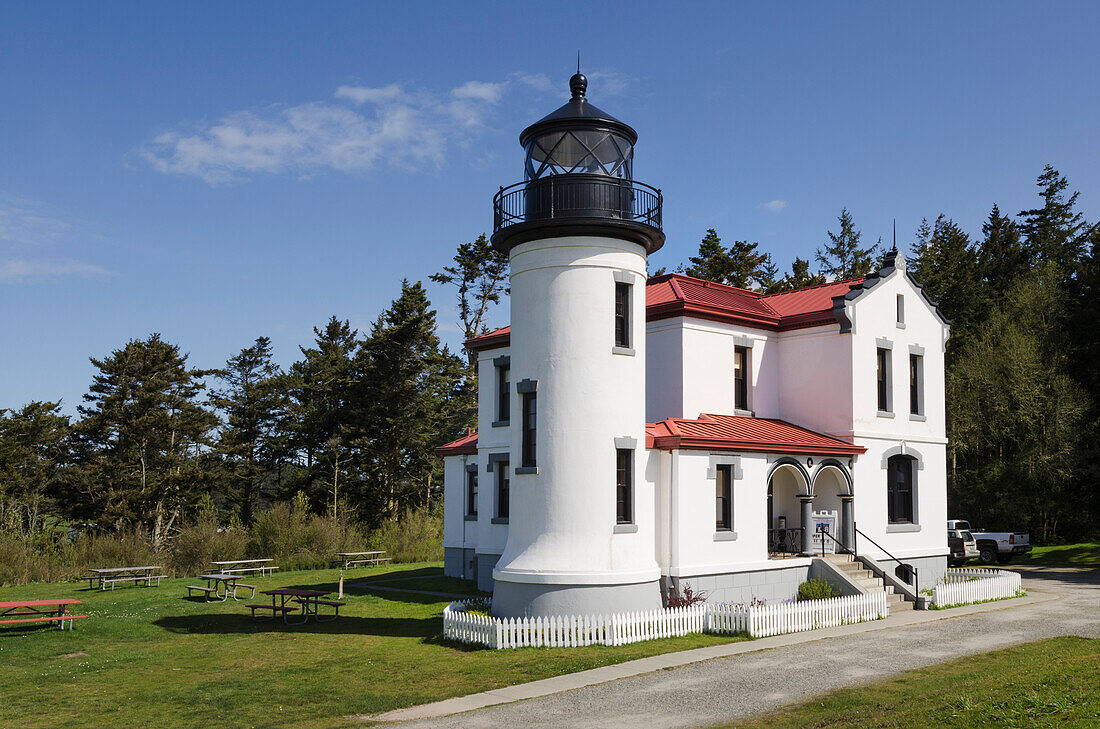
point(824, 521)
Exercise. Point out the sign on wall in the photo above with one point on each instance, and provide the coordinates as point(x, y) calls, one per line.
point(824, 521)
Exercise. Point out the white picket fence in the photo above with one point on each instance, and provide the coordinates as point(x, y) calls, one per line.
point(969, 585)
point(569, 631)
point(760, 621)
point(620, 629)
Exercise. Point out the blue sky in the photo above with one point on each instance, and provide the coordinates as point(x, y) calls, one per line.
point(219, 171)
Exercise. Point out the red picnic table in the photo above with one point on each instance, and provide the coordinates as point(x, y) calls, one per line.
point(308, 602)
point(38, 611)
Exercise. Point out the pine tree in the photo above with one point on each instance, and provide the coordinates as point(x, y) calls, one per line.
point(1054, 231)
point(800, 276)
point(844, 256)
point(740, 265)
point(142, 431)
point(480, 272)
point(769, 281)
point(1001, 255)
point(254, 402)
point(946, 265)
point(34, 447)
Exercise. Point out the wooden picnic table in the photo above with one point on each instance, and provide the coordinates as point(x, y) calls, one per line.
point(39, 611)
point(308, 603)
point(226, 580)
point(246, 565)
point(353, 558)
point(111, 575)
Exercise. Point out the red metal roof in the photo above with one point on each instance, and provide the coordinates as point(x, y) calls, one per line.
point(738, 433)
point(466, 445)
point(675, 295)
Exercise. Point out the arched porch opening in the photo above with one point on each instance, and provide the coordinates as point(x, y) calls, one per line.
point(832, 489)
point(789, 502)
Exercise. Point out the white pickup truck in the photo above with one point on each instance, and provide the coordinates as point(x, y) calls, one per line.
point(995, 546)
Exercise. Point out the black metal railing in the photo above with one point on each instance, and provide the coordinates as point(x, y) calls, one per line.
point(910, 568)
point(785, 541)
point(839, 549)
point(577, 197)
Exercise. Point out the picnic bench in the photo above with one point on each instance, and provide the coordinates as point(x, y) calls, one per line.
point(307, 603)
point(104, 576)
point(218, 585)
point(350, 559)
point(261, 566)
point(39, 611)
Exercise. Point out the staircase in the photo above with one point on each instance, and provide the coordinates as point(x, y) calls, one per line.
point(866, 579)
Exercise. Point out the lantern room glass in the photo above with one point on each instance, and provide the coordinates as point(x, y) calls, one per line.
point(579, 151)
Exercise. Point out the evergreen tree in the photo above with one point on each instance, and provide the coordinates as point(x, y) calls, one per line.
point(480, 272)
point(1054, 231)
point(141, 435)
point(946, 264)
point(34, 447)
point(740, 265)
point(800, 276)
point(769, 281)
point(410, 398)
point(252, 443)
point(844, 256)
point(1001, 255)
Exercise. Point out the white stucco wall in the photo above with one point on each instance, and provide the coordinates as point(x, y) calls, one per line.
point(562, 529)
point(457, 532)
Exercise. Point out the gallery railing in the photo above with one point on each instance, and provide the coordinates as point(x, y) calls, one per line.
point(577, 197)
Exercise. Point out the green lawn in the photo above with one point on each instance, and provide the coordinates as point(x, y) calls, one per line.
point(1076, 555)
point(151, 657)
point(1050, 683)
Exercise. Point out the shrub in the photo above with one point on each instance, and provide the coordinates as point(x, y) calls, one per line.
point(299, 539)
point(816, 589)
point(683, 598)
point(205, 540)
point(416, 537)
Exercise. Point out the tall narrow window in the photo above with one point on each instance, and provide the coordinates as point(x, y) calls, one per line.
point(529, 429)
point(901, 309)
point(624, 486)
point(899, 489)
point(723, 499)
point(502, 489)
point(504, 405)
point(884, 380)
point(741, 378)
point(622, 314)
point(471, 493)
point(916, 384)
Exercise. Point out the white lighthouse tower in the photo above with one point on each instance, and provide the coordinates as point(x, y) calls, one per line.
point(578, 229)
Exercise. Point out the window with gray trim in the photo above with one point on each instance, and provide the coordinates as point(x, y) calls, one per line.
point(916, 384)
point(741, 378)
point(723, 498)
point(883, 379)
point(622, 314)
point(471, 493)
point(502, 489)
point(901, 309)
point(529, 430)
point(899, 489)
point(504, 387)
point(624, 486)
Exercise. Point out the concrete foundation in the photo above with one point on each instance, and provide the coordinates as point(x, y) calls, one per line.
point(520, 599)
point(485, 565)
point(773, 584)
point(461, 563)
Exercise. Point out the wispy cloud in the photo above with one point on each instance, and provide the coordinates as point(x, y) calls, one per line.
point(25, 226)
point(774, 206)
point(362, 128)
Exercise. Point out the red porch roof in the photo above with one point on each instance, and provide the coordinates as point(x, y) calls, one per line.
point(739, 433)
point(466, 445)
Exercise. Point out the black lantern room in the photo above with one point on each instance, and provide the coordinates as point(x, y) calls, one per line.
point(578, 180)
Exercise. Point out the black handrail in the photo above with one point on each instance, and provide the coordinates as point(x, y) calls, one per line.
point(842, 548)
point(577, 196)
point(910, 567)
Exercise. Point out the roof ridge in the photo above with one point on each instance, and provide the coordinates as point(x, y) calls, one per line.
point(706, 283)
point(816, 286)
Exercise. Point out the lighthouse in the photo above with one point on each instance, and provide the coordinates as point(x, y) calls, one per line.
point(578, 230)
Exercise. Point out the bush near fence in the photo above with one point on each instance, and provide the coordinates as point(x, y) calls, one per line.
point(476, 628)
point(967, 586)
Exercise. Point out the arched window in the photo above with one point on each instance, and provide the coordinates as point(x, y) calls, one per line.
point(899, 489)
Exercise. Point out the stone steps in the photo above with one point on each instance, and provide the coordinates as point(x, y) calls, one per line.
point(867, 580)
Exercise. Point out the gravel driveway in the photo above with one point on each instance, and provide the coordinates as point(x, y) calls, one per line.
point(717, 690)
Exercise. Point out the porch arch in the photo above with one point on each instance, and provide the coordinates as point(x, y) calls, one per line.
point(832, 485)
point(789, 504)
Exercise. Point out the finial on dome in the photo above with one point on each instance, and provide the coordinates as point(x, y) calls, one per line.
point(578, 84)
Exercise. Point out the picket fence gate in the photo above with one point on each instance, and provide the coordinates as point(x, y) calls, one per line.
point(970, 585)
point(461, 625)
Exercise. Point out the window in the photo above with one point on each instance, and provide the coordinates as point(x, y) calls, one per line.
point(502, 489)
point(529, 428)
point(622, 315)
point(741, 378)
point(916, 384)
point(899, 489)
point(723, 499)
point(884, 380)
point(504, 405)
point(624, 486)
point(471, 492)
point(901, 309)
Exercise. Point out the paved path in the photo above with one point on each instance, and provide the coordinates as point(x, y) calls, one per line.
point(1061, 602)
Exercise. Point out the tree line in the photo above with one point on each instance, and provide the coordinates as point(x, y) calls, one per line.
point(351, 425)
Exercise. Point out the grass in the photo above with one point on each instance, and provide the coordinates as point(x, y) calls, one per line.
point(1086, 554)
point(1050, 683)
point(151, 657)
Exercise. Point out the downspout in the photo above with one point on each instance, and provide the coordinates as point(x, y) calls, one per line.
point(673, 511)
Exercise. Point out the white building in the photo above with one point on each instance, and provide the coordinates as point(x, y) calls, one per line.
point(635, 435)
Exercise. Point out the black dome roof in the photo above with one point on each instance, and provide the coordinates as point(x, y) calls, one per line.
point(578, 113)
